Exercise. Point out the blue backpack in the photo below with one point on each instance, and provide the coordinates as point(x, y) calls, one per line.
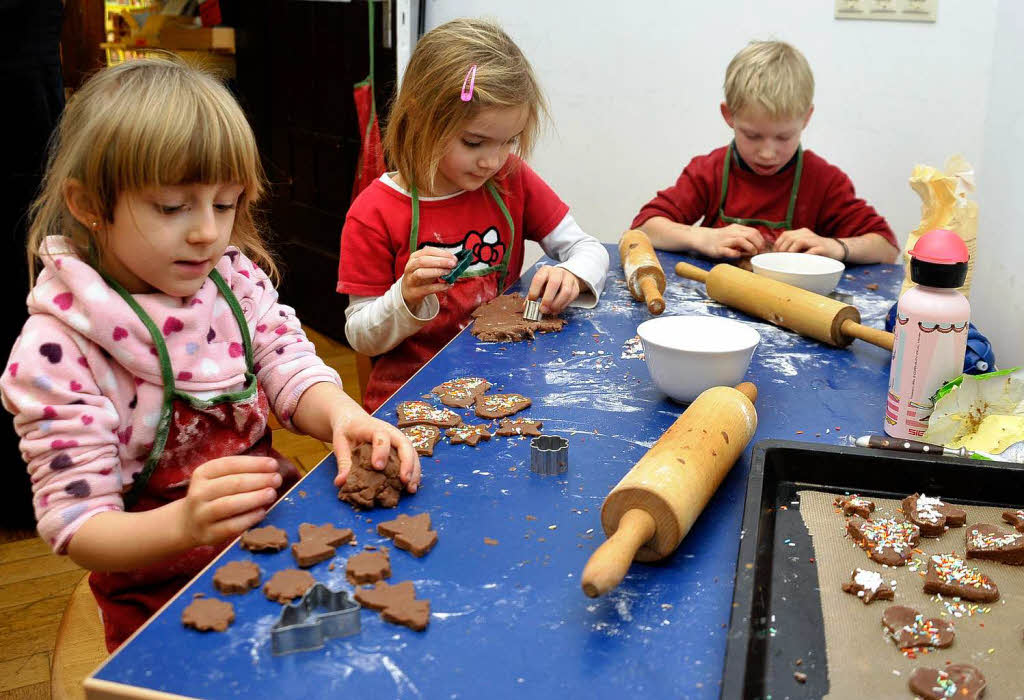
point(980, 357)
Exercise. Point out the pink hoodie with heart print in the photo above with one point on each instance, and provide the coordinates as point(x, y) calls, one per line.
point(84, 383)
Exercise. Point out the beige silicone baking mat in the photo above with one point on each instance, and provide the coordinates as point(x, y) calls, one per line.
point(862, 663)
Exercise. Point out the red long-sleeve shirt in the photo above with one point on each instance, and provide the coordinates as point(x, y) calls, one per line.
point(826, 202)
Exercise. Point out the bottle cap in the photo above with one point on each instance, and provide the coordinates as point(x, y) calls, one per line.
point(939, 259)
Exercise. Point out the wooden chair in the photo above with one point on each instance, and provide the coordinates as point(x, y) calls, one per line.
point(80, 646)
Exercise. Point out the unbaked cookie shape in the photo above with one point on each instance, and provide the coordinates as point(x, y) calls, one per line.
point(468, 434)
point(995, 544)
point(933, 515)
point(501, 405)
point(423, 438)
point(501, 319)
point(508, 427)
point(462, 392)
point(887, 541)
point(421, 412)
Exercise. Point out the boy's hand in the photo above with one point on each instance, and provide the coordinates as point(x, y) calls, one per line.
point(422, 272)
point(227, 496)
point(357, 428)
point(732, 241)
point(556, 288)
point(804, 240)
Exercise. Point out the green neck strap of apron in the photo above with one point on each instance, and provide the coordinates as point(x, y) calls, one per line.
point(501, 268)
point(167, 374)
point(786, 225)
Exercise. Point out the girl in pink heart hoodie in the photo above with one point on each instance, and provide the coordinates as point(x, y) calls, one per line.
point(156, 347)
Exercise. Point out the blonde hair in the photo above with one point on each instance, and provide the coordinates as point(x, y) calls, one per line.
point(428, 111)
point(772, 75)
point(148, 123)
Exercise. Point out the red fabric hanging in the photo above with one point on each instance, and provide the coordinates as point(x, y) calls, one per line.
point(371, 154)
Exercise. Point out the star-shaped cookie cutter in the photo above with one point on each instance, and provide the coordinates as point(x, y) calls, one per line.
point(322, 614)
point(549, 455)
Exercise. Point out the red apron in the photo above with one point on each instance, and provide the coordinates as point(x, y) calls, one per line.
point(394, 368)
point(191, 431)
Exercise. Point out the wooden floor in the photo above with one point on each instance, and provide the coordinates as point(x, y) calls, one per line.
point(35, 584)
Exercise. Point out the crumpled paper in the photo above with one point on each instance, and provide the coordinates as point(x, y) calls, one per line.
point(982, 412)
point(944, 204)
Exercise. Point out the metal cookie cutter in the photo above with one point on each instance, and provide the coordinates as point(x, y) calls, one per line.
point(463, 259)
point(549, 455)
point(531, 312)
point(321, 614)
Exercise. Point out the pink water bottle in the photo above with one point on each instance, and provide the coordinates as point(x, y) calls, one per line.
point(931, 332)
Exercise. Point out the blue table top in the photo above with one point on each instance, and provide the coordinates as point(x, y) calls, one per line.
point(510, 618)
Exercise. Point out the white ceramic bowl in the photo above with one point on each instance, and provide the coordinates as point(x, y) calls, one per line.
point(688, 354)
point(815, 273)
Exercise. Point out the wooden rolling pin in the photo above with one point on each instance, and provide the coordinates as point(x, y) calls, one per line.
point(813, 315)
point(644, 276)
point(650, 511)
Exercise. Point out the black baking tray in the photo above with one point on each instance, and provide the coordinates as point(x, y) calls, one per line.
point(776, 614)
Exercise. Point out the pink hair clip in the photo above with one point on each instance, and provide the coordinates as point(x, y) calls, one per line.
point(470, 81)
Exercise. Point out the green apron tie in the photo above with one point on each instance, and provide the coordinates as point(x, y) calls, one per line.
point(502, 267)
point(786, 225)
point(167, 374)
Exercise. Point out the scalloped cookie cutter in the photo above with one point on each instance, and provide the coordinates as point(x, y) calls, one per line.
point(549, 455)
point(531, 311)
point(322, 614)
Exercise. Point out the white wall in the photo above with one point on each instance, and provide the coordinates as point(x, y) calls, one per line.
point(634, 91)
point(997, 295)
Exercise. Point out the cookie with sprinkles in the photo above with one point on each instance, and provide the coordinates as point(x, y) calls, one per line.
point(909, 628)
point(855, 505)
point(423, 438)
point(960, 681)
point(501, 405)
point(422, 413)
point(949, 575)
point(933, 515)
point(462, 392)
point(519, 426)
point(1015, 518)
point(990, 542)
point(887, 541)
point(868, 586)
point(468, 434)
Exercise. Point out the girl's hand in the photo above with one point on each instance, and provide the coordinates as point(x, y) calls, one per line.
point(422, 272)
point(227, 496)
point(804, 240)
point(556, 288)
point(357, 427)
point(732, 241)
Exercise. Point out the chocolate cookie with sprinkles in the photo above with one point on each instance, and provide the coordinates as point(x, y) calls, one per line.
point(886, 541)
point(468, 434)
point(423, 438)
point(422, 413)
point(909, 628)
point(868, 586)
point(933, 515)
point(501, 405)
point(949, 575)
point(1015, 518)
point(855, 505)
point(990, 542)
point(462, 392)
point(960, 681)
